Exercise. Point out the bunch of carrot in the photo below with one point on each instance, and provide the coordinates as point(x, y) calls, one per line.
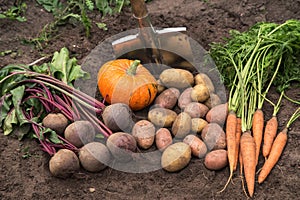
point(258, 57)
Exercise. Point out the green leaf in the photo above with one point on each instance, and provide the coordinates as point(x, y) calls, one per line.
point(43, 69)
point(51, 135)
point(75, 71)
point(21, 19)
point(9, 121)
point(99, 136)
point(5, 107)
point(59, 64)
point(66, 69)
point(102, 26)
point(2, 16)
point(17, 96)
point(50, 5)
point(53, 138)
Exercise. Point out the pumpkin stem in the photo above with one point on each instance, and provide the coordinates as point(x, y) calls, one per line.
point(132, 69)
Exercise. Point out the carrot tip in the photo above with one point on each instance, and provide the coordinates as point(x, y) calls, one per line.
point(228, 181)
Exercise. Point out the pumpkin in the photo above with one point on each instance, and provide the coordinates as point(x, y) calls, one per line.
point(127, 81)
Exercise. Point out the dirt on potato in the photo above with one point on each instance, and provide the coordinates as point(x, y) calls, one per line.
point(24, 172)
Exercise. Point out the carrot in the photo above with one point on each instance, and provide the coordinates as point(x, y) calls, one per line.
point(231, 124)
point(271, 128)
point(241, 163)
point(237, 140)
point(269, 135)
point(248, 154)
point(277, 148)
point(257, 129)
point(275, 153)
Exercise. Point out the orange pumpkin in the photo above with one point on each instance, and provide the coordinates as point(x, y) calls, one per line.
point(127, 81)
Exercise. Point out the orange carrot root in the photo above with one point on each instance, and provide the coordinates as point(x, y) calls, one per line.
point(249, 162)
point(230, 140)
point(257, 130)
point(241, 162)
point(269, 135)
point(237, 139)
point(275, 153)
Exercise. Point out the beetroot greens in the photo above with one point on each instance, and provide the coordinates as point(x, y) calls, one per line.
point(29, 93)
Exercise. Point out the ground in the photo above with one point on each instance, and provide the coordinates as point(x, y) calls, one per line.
point(206, 22)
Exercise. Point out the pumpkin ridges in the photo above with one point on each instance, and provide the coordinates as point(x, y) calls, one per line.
point(107, 79)
point(145, 91)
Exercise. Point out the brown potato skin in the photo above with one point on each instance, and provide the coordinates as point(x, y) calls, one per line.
point(213, 136)
point(160, 87)
point(202, 78)
point(56, 121)
point(198, 147)
point(176, 157)
point(167, 99)
point(80, 133)
point(144, 133)
point(162, 117)
point(182, 125)
point(213, 101)
point(198, 125)
point(217, 114)
point(178, 78)
point(163, 139)
point(195, 109)
point(216, 160)
point(200, 93)
point(94, 156)
point(122, 146)
point(185, 98)
point(64, 163)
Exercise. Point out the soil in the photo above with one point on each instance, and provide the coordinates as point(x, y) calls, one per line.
point(206, 22)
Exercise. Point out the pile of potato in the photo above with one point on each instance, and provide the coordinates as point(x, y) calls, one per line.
point(185, 121)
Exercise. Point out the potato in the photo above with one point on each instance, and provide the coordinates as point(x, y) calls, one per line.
point(56, 121)
point(195, 109)
point(178, 78)
point(182, 125)
point(213, 101)
point(202, 78)
point(64, 163)
point(197, 125)
point(80, 133)
point(185, 98)
point(168, 98)
point(213, 136)
point(118, 117)
point(94, 156)
point(216, 160)
point(122, 146)
point(217, 114)
point(198, 147)
point(163, 139)
point(144, 132)
point(176, 157)
point(200, 93)
point(162, 117)
point(160, 87)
